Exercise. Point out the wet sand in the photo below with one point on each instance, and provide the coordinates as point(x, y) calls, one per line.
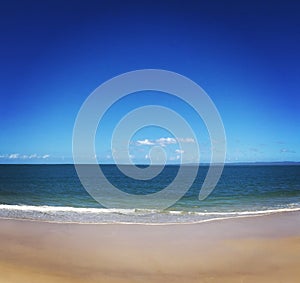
point(257, 249)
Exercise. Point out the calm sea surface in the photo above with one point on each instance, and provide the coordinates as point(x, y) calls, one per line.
point(54, 193)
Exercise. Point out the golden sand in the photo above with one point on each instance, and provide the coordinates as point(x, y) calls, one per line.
point(257, 249)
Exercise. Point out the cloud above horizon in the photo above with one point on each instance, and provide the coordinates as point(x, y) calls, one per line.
point(285, 150)
point(164, 141)
point(12, 156)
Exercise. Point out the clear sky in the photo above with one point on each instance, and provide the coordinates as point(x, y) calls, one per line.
point(244, 54)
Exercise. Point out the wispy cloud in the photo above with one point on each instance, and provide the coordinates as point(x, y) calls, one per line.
point(186, 140)
point(14, 156)
point(173, 158)
point(164, 141)
point(285, 150)
point(145, 142)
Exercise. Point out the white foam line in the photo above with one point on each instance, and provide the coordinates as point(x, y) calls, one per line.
point(63, 209)
point(46, 209)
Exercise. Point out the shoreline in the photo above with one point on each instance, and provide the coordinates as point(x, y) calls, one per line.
point(154, 223)
point(247, 249)
point(220, 216)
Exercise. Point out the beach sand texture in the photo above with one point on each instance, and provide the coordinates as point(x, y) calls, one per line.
point(254, 249)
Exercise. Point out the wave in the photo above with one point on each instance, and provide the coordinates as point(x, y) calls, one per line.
point(46, 208)
point(66, 214)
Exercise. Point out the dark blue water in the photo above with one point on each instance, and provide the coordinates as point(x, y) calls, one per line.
point(54, 193)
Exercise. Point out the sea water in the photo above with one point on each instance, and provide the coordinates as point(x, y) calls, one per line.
point(54, 193)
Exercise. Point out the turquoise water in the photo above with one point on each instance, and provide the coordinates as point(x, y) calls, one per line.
point(54, 193)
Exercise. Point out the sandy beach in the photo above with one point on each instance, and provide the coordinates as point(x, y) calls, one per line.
point(256, 249)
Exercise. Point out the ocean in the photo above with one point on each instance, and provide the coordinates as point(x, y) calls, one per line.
point(54, 193)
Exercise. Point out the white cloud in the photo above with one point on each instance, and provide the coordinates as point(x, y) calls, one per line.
point(186, 140)
point(179, 151)
point(164, 141)
point(14, 156)
point(145, 142)
point(32, 156)
point(24, 156)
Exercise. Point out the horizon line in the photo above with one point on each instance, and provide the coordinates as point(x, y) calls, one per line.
point(172, 164)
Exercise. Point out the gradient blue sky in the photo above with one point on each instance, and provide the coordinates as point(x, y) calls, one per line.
point(244, 54)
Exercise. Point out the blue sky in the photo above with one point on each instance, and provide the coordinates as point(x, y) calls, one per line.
point(244, 54)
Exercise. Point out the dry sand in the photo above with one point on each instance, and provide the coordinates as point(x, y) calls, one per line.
point(257, 249)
